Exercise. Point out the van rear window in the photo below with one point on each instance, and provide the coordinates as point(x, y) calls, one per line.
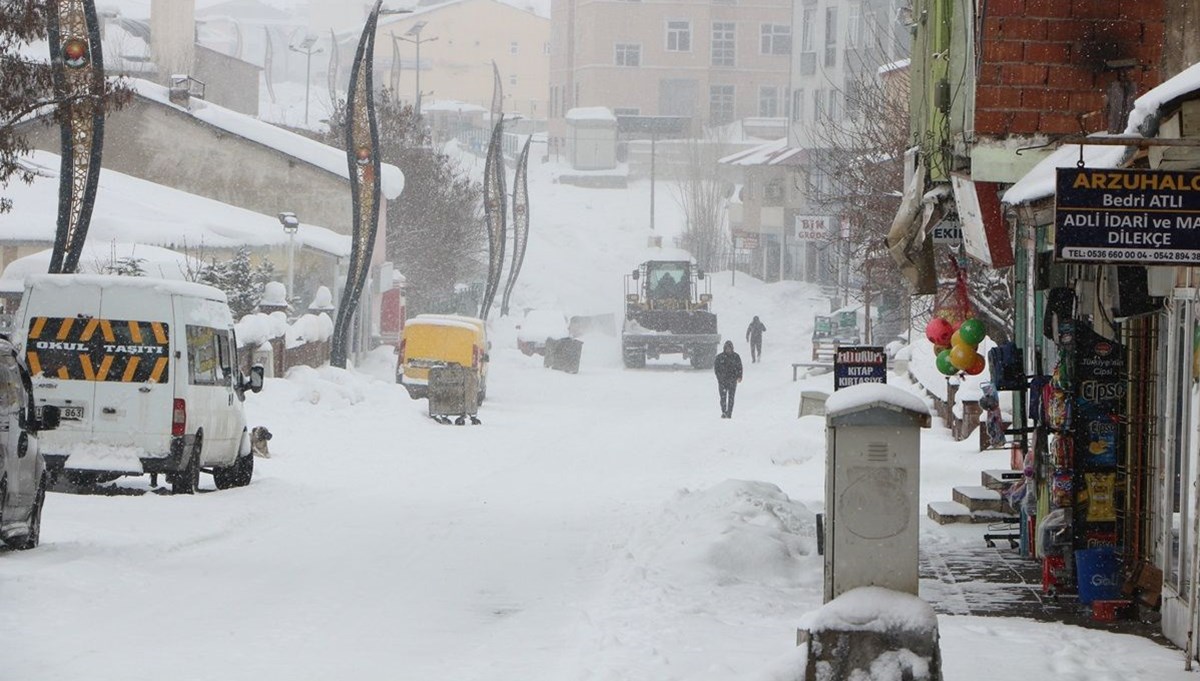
point(91, 349)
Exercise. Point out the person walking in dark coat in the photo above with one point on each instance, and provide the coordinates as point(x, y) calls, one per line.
point(728, 368)
point(754, 334)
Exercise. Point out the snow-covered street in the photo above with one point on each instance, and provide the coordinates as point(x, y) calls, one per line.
point(605, 525)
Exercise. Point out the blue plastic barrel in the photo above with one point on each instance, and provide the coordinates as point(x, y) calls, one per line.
point(1098, 574)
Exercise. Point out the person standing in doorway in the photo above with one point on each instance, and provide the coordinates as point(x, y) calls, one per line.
point(728, 368)
point(754, 334)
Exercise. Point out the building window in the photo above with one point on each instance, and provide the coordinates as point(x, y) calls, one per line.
point(553, 101)
point(797, 105)
point(806, 30)
point(724, 47)
point(776, 39)
point(818, 104)
point(679, 36)
point(768, 101)
point(628, 55)
point(854, 28)
point(546, 48)
point(512, 47)
point(512, 80)
point(831, 36)
point(619, 111)
point(720, 104)
point(853, 99)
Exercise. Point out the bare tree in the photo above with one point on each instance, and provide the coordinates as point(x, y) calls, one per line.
point(25, 85)
point(701, 193)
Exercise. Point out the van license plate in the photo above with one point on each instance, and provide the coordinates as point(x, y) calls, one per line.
point(70, 413)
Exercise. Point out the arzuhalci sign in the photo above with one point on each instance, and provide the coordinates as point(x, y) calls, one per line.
point(1136, 217)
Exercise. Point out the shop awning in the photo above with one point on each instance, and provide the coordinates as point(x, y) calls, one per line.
point(1038, 183)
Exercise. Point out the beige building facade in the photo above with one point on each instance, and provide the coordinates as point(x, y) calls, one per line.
point(458, 42)
point(713, 60)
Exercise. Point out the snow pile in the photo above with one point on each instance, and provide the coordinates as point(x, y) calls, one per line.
point(539, 325)
point(274, 294)
point(379, 364)
point(258, 328)
point(309, 328)
point(329, 387)
point(871, 608)
point(736, 532)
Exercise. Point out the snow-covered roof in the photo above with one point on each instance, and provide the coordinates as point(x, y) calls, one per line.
point(98, 256)
point(1143, 120)
point(894, 66)
point(297, 146)
point(773, 153)
point(44, 282)
point(591, 113)
point(1039, 183)
point(134, 210)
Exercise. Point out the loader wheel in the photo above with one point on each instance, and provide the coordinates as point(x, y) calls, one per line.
point(635, 359)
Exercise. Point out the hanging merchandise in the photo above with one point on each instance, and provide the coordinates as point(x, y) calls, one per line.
point(944, 365)
point(938, 331)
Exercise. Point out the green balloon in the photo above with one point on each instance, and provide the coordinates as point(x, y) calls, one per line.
point(944, 365)
point(972, 332)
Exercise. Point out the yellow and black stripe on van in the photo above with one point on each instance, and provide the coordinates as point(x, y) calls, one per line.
point(91, 349)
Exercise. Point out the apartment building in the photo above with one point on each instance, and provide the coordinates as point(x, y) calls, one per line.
point(715, 61)
point(841, 49)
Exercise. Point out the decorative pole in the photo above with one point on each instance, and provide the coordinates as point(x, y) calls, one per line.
point(494, 211)
point(520, 212)
point(77, 67)
point(362, 156)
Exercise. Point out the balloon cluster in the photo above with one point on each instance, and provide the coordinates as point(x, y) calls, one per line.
point(957, 347)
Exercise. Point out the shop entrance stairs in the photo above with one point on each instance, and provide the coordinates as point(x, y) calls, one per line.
point(983, 503)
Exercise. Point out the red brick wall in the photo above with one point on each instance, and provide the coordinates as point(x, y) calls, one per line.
point(1043, 62)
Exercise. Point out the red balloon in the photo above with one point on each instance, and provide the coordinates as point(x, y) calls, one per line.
point(978, 364)
point(938, 331)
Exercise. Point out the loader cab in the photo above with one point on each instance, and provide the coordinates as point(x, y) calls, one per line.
point(668, 285)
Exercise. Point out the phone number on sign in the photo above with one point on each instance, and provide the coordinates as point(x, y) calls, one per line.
point(1130, 254)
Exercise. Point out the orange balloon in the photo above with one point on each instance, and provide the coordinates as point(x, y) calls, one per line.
point(962, 356)
point(977, 366)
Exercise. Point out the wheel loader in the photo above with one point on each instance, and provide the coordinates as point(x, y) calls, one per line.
point(667, 312)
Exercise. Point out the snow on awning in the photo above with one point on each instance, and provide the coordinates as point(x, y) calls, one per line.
point(1143, 120)
point(776, 153)
point(1039, 183)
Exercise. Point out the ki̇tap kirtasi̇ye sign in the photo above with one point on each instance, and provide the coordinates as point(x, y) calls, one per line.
point(1127, 216)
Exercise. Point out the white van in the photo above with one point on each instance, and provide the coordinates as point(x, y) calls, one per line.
point(145, 376)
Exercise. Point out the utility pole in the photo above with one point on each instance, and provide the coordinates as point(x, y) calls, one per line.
point(306, 49)
point(415, 38)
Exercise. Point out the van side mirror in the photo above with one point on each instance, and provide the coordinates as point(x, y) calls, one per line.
point(700, 274)
point(254, 382)
point(635, 275)
point(49, 417)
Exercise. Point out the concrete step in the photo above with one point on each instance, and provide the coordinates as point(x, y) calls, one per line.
point(999, 479)
point(947, 512)
point(978, 498)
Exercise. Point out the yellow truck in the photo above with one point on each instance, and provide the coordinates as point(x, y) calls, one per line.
point(429, 340)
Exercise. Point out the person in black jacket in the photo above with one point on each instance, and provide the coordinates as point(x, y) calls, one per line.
point(754, 334)
point(728, 368)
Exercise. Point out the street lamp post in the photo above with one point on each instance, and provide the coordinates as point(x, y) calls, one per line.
point(306, 48)
point(416, 39)
point(290, 224)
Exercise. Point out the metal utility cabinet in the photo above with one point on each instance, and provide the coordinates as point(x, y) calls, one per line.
point(872, 485)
